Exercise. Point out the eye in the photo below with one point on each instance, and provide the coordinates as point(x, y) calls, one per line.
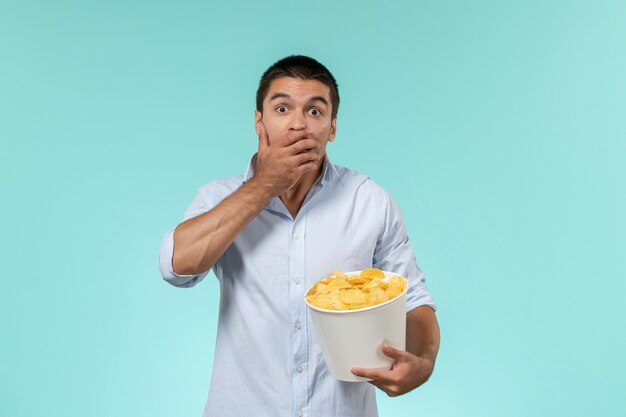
point(315, 112)
point(281, 109)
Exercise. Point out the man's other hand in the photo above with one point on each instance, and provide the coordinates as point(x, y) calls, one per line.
point(407, 373)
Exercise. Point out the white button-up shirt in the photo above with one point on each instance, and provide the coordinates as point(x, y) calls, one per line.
point(268, 360)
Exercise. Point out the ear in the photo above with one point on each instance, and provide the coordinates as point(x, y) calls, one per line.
point(333, 129)
point(258, 116)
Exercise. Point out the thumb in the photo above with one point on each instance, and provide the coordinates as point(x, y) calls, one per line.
point(391, 351)
point(264, 141)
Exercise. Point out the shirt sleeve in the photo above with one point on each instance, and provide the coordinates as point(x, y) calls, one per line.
point(196, 208)
point(394, 253)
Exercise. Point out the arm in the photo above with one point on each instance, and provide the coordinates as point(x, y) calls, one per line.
point(422, 336)
point(414, 366)
point(199, 242)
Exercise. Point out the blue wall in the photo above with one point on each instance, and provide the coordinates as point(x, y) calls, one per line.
point(499, 127)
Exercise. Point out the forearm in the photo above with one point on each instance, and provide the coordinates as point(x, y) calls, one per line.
point(199, 242)
point(422, 333)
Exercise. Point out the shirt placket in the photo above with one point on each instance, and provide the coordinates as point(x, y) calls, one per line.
point(297, 265)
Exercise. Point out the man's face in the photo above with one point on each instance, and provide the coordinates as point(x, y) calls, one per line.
point(297, 108)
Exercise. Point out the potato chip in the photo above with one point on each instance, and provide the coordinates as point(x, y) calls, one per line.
point(353, 296)
point(376, 282)
point(366, 289)
point(393, 292)
point(338, 283)
point(397, 282)
point(321, 300)
point(340, 274)
point(335, 301)
point(321, 288)
point(378, 296)
point(372, 273)
point(357, 280)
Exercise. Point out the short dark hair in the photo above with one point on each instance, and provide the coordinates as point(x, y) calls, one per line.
point(298, 66)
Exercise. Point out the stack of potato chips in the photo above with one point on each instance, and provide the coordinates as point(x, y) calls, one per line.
point(368, 288)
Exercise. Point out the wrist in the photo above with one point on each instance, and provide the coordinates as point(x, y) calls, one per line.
point(262, 188)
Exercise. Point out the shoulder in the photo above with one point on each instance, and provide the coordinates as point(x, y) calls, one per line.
point(211, 194)
point(360, 184)
point(215, 191)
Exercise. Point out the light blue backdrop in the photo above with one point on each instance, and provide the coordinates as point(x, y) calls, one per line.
point(499, 127)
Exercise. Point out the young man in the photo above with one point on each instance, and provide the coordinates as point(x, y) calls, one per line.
point(270, 234)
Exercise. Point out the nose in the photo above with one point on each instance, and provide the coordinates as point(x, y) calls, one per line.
point(298, 121)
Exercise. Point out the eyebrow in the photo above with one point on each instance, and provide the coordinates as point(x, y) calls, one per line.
point(319, 98)
point(287, 96)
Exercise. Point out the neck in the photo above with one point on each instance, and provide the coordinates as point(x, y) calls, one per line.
point(294, 198)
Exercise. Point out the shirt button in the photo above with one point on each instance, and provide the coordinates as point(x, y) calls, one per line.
point(298, 325)
point(299, 369)
point(296, 235)
point(300, 413)
point(296, 280)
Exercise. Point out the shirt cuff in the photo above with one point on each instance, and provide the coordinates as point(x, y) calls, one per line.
point(166, 268)
point(419, 295)
point(427, 301)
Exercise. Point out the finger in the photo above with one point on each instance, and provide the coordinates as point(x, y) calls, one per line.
point(384, 385)
point(376, 374)
point(306, 157)
point(264, 141)
point(304, 145)
point(292, 138)
point(303, 169)
point(391, 351)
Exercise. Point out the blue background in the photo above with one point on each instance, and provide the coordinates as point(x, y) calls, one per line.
point(498, 126)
